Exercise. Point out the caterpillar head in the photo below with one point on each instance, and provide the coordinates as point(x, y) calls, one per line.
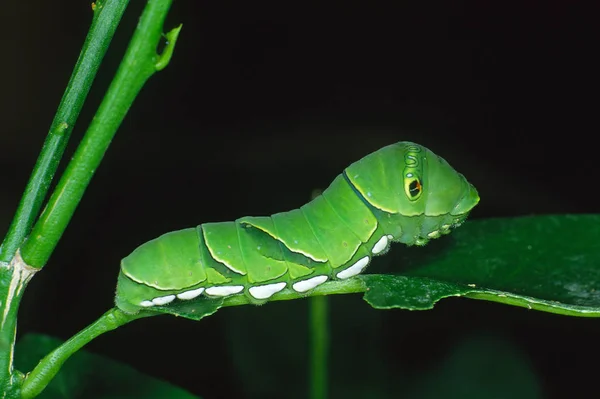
point(420, 194)
point(443, 189)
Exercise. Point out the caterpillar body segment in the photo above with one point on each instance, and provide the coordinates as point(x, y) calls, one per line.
point(401, 193)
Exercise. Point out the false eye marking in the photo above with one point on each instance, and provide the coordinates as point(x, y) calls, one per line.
point(380, 245)
point(266, 291)
point(191, 294)
point(412, 187)
point(355, 269)
point(224, 290)
point(413, 171)
point(305, 285)
point(163, 300)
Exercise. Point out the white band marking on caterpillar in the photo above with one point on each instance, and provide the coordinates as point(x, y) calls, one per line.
point(191, 294)
point(266, 291)
point(305, 285)
point(380, 245)
point(163, 300)
point(354, 269)
point(224, 290)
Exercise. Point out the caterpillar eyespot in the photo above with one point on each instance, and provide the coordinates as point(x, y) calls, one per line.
point(401, 193)
point(413, 188)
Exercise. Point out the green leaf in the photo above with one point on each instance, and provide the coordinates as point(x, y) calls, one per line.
point(548, 263)
point(414, 293)
point(193, 310)
point(91, 376)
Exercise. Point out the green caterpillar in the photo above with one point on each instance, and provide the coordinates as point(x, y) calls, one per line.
point(400, 193)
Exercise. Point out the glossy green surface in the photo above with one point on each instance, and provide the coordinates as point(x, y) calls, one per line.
point(167, 255)
point(549, 263)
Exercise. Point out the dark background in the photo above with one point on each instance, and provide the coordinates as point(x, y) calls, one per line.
point(264, 102)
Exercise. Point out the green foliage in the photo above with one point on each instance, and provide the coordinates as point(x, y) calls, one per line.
point(91, 376)
point(547, 263)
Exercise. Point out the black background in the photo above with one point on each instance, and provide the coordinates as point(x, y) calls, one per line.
point(264, 102)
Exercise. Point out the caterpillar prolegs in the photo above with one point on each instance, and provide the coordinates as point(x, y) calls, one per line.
point(400, 193)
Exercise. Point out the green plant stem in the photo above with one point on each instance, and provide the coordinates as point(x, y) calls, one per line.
point(140, 62)
point(333, 287)
point(107, 15)
point(13, 279)
point(47, 368)
point(319, 346)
